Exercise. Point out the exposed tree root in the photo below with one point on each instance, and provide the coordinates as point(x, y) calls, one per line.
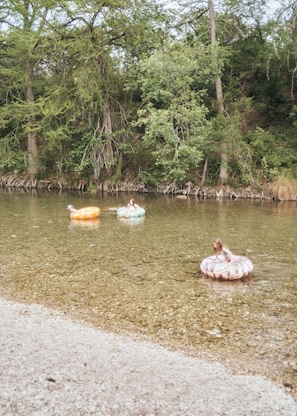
point(19, 182)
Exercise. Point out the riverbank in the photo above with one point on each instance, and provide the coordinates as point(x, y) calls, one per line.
point(54, 366)
point(281, 190)
point(15, 182)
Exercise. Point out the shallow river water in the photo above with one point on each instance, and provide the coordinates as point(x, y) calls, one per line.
point(143, 278)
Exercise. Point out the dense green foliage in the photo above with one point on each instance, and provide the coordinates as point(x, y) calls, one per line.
point(126, 90)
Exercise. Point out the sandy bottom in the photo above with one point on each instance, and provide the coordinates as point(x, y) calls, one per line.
point(53, 366)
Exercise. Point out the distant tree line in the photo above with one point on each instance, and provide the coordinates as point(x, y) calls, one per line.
point(115, 91)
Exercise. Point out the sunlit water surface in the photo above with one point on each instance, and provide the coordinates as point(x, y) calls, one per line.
point(143, 277)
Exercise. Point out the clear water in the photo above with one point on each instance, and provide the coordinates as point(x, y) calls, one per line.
point(142, 276)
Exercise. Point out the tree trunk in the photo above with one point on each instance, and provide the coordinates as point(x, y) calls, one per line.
point(219, 92)
point(108, 139)
point(32, 142)
point(204, 172)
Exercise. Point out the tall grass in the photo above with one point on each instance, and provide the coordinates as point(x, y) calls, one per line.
point(284, 189)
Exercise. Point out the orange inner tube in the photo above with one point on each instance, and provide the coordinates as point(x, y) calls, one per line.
point(85, 213)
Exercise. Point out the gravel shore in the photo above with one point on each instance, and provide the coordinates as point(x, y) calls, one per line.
point(53, 366)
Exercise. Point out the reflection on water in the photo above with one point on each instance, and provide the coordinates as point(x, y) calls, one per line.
point(91, 223)
point(223, 289)
point(131, 221)
point(143, 276)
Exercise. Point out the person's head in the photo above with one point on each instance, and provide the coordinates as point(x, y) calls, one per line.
point(132, 202)
point(217, 244)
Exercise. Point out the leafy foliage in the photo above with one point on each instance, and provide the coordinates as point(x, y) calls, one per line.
point(174, 116)
point(127, 90)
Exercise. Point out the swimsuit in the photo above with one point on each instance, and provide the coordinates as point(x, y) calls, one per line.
point(226, 256)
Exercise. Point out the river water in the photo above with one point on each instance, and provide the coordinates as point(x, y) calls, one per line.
point(142, 277)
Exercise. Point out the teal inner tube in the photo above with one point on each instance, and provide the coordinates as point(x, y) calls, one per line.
point(133, 213)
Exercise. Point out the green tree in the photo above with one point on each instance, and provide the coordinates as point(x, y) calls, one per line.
point(197, 25)
point(173, 115)
point(74, 56)
point(22, 24)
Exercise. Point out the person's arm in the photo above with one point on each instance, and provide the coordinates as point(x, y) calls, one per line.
point(125, 212)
